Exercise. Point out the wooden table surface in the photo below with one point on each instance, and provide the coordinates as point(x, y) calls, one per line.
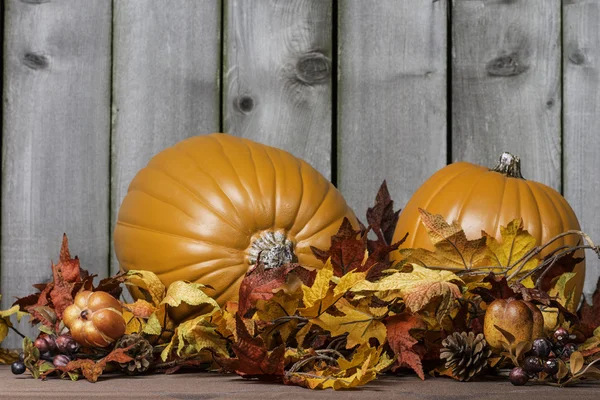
point(212, 386)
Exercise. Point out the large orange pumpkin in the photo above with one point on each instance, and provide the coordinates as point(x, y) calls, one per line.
point(204, 209)
point(480, 198)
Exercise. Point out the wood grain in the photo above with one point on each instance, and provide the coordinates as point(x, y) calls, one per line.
point(581, 71)
point(166, 82)
point(278, 76)
point(55, 149)
point(506, 84)
point(391, 97)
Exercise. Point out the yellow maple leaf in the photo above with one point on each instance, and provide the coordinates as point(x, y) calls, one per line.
point(5, 323)
point(359, 325)
point(364, 366)
point(417, 287)
point(145, 285)
point(452, 248)
point(8, 356)
point(320, 296)
point(516, 242)
point(188, 293)
point(194, 336)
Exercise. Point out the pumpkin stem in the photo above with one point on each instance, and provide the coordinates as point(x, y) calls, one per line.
point(272, 249)
point(509, 165)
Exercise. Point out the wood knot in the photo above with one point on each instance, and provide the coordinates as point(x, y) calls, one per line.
point(313, 68)
point(244, 103)
point(577, 57)
point(35, 61)
point(506, 65)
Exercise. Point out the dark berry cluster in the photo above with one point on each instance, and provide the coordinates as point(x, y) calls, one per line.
point(57, 349)
point(543, 357)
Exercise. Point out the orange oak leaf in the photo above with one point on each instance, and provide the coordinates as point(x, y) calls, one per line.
point(400, 330)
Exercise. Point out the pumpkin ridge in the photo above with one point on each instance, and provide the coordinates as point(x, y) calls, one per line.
point(135, 189)
point(196, 240)
point(301, 194)
point(419, 224)
point(200, 200)
point(236, 259)
point(199, 167)
point(556, 209)
point(299, 234)
point(538, 213)
point(297, 230)
point(258, 182)
point(237, 175)
point(505, 183)
point(468, 195)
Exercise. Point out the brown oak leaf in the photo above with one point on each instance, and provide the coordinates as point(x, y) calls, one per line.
point(400, 330)
point(547, 275)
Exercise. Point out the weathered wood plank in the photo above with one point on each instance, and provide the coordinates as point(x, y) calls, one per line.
point(55, 150)
point(391, 97)
point(166, 82)
point(278, 76)
point(581, 68)
point(506, 84)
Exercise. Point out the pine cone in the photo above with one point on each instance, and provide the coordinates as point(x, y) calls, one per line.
point(142, 353)
point(465, 353)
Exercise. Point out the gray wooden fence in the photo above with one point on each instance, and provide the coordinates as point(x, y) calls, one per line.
point(364, 90)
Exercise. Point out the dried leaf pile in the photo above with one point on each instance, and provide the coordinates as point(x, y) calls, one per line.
point(339, 327)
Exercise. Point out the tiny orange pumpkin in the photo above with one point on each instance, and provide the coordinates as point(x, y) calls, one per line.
point(95, 319)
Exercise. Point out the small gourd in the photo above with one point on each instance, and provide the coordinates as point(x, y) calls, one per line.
point(95, 319)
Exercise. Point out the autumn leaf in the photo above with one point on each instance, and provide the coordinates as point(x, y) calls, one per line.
point(91, 369)
point(452, 248)
point(516, 242)
point(400, 330)
point(145, 285)
point(320, 296)
point(5, 322)
point(359, 325)
point(8, 356)
point(188, 293)
point(261, 284)
point(498, 288)
point(362, 368)
point(589, 313)
point(136, 314)
point(348, 250)
point(381, 217)
point(418, 286)
point(253, 360)
point(547, 276)
point(193, 336)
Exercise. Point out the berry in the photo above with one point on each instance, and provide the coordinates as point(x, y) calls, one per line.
point(561, 335)
point(541, 347)
point(551, 366)
point(45, 344)
point(533, 365)
point(568, 349)
point(66, 344)
point(61, 360)
point(17, 368)
point(518, 376)
point(21, 356)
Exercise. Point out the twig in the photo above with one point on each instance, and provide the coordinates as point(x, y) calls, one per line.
point(15, 330)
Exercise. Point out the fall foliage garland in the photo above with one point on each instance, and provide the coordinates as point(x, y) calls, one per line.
point(338, 327)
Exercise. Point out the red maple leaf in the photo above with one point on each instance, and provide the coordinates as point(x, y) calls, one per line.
point(253, 359)
point(261, 284)
point(547, 275)
point(400, 329)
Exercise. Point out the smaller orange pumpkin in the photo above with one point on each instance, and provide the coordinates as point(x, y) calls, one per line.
point(522, 319)
point(95, 319)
